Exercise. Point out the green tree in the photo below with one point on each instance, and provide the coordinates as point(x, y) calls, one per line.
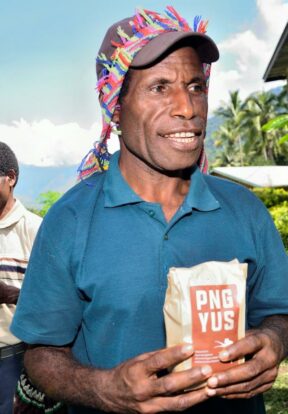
point(242, 138)
point(278, 123)
point(46, 200)
point(230, 137)
point(260, 107)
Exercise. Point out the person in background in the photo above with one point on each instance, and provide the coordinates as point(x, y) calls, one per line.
point(91, 307)
point(18, 228)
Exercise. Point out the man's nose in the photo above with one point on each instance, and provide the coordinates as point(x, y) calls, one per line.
point(183, 105)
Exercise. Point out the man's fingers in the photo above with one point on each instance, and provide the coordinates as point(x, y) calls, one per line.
point(176, 403)
point(249, 345)
point(248, 379)
point(167, 358)
point(178, 381)
point(229, 394)
point(245, 387)
point(242, 373)
point(235, 375)
point(143, 357)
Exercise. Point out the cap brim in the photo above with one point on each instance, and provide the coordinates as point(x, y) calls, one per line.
point(203, 44)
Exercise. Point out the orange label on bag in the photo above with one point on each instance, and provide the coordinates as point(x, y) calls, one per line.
point(215, 316)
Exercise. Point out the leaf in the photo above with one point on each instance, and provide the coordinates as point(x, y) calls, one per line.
point(276, 123)
point(283, 139)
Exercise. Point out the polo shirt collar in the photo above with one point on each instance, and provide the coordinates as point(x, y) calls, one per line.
point(117, 192)
point(199, 196)
point(13, 216)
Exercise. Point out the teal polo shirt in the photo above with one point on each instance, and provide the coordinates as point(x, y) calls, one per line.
point(97, 275)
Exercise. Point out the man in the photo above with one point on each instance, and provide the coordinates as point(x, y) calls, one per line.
point(97, 335)
point(18, 228)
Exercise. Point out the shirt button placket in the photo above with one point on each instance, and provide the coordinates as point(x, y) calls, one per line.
point(165, 261)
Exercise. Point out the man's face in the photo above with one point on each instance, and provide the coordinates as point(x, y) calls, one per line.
point(163, 116)
point(6, 190)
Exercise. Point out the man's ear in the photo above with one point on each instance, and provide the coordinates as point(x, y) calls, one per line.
point(12, 178)
point(116, 115)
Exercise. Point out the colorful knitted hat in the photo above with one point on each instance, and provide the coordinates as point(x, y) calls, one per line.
point(137, 42)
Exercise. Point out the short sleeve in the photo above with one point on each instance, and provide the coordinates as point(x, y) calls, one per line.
point(268, 290)
point(49, 309)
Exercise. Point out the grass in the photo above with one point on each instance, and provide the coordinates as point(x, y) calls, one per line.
point(276, 400)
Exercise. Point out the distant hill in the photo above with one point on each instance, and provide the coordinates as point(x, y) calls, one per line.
point(36, 180)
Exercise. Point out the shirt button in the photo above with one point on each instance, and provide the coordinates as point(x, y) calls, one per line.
point(166, 237)
point(151, 213)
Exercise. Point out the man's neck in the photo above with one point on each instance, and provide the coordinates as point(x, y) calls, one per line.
point(4, 210)
point(169, 190)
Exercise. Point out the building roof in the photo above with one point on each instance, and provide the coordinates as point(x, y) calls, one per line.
point(266, 176)
point(278, 66)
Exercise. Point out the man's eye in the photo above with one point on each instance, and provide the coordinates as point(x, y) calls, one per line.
point(197, 88)
point(158, 88)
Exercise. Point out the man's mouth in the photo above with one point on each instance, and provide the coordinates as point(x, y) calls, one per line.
point(183, 136)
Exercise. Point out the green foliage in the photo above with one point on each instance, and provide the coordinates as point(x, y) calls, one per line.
point(264, 122)
point(229, 138)
point(271, 196)
point(276, 401)
point(283, 139)
point(46, 200)
point(280, 216)
point(276, 200)
point(252, 130)
point(280, 122)
point(34, 210)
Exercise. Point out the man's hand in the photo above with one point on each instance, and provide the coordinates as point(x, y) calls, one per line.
point(264, 348)
point(8, 294)
point(135, 386)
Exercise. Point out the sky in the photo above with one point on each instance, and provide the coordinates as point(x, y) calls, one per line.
point(49, 112)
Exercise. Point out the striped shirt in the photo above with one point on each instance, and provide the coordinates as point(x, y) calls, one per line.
point(18, 229)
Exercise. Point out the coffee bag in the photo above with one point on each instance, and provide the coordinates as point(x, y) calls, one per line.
point(205, 305)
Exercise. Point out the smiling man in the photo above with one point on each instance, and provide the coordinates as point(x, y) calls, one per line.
point(97, 335)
